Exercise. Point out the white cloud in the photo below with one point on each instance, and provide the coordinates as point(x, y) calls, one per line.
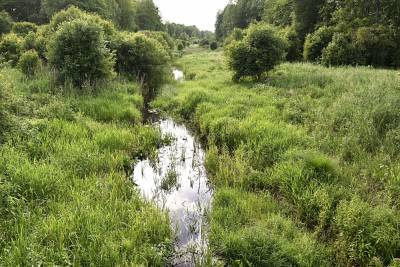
point(201, 13)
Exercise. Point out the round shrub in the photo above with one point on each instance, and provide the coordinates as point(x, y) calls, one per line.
point(180, 46)
point(10, 48)
point(316, 42)
point(341, 51)
point(78, 53)
point(29, 63)
point(213, 45)
point(260, 51)
point(6, 22)
point(145, 59)
point(163, 38)
point(73, 13)
point(23, 28)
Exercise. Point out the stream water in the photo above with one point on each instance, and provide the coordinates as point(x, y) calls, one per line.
point(177, 183)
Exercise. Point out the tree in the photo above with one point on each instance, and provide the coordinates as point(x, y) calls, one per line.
point(29, 63)
point(78, 53)
point(316, 42)
point(307, 16)
point(10, 48)
point(260, 51)
point(143, 58)
point(24, 10)
point(148, 16)
point(5, 22)
point(125, 15)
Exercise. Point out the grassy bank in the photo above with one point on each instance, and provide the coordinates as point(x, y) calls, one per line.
point(65, 195)
point(306, 164)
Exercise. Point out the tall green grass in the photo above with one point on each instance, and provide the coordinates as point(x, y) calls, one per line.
point(65, 194)
point(306, 163)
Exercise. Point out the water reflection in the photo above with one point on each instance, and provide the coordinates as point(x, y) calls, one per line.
point(177, 182)
point(178, 74)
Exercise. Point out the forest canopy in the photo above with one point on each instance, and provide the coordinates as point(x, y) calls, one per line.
point(126, 14)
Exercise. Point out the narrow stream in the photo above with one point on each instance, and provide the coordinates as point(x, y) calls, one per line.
point(177, 182)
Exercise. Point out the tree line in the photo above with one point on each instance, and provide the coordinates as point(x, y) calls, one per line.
point(129, 15)
point(332, 32)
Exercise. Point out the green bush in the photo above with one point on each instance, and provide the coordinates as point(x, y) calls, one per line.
point(29, 62)
point(204, 42)
point(164, 39)
point(73, 13)
point(375, 43)
point(23, 28)
point(236, 35)
point(316, 42)
point(10, 48)
point(143, 58)
point(214, 45)
point(6, 22)
point(341, 51)
point(180, 46)
point(294, 44)
point(78, 53)
point(260, 51)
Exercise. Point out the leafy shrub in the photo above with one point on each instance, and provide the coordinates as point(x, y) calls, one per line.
point(341, 51)
point(316, 42)
point(204, 42)
point(294, 44)
point(213, 45)
point(29, 62)
point(260, 51)
point(6, 22)
point(145, 59)
point(41, 40)
point(180, 46)
point(237, 34)
point(375, 43)
point(29, 41)
point(73, 13)
point(10, 48)
point(78, 53)
point(23, 28)
point(164, 39)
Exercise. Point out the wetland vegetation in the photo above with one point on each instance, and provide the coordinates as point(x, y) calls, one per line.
point(277, 143)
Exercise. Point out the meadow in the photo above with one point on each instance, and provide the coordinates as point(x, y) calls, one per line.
point(305, 163)
point(65, 160)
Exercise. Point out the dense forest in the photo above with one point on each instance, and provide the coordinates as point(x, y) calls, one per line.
point(289, 114)
point(336, 32)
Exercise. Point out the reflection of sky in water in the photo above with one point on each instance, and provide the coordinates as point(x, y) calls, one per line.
point(178, 74)
point(188, 201)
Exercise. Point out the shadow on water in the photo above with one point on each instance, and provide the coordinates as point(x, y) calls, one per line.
point(177, 183)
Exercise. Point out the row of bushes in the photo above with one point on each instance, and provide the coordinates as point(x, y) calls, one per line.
point(375, 45)
point(261, 47)
point(82, 48)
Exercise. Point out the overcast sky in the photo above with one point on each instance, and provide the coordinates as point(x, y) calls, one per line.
point(201, 13)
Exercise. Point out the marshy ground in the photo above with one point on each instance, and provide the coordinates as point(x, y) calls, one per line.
point(304, 167)
point(305, 164)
